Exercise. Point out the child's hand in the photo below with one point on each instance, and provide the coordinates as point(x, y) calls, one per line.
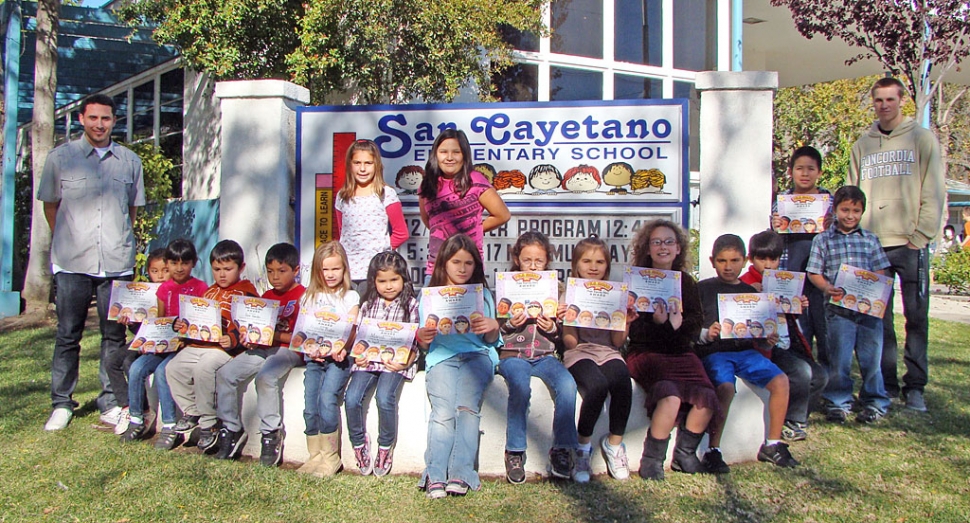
point(834, 292)
point(123, 320)
point(360, 361)
point(773, 339)
point(631, 315)
point(225, 342)
point(518, 320)
point(482, 325)
point(714, 331)
point(548, 325)
point(660, 314)
point(676, 318)
point(775, 221)
point(561, 311)
point(395, 367)
point(180, 326)
point(757, 286)
point(804, 302)
point(827, 221)
point(426, 335)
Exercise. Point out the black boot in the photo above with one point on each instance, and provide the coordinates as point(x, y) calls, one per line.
point(652, 461)
point(685, 453)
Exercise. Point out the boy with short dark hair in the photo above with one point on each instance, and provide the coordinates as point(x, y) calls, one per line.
point(268, 365)
point(792, 353)
point(850, 331)
point(192, 372)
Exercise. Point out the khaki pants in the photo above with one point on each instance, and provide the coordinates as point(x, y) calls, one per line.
point(192, 377)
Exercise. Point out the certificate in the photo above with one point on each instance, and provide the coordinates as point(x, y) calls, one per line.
point(803, 213)
point(596, 304)
point(532, 292)
point(255, 318)
point(451, 308)
point(135, 300)
point(384, 341)
point(786, 286)
point(747, 315)
point(320, 332)
point(649, 287)
point(202, 318)
point(156, 336)
point(865, 291)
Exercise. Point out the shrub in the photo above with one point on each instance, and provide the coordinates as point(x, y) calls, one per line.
point(953, 270)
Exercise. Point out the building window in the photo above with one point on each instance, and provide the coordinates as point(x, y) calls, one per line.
point(638, 31)
point(695, 35)
point(575, 84)
point(629, 87)
point(518, 83)
point(520, 40)
point(577, 27)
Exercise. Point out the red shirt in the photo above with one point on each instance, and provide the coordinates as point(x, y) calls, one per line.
point(289, 307)
point(169, 292)
point(751, 277)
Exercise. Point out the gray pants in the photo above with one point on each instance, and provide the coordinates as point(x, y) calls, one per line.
point(192, 377)
point(270, 367)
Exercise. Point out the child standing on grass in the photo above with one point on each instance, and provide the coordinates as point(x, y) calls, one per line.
point(282, 266)
point(530, 350)
point(389, 296)
point(460, 367)
point(593, 358)
point(325, 378)
point(366, 208)
point(192, 372)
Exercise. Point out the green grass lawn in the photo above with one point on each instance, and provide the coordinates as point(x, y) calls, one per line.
point(908, 468)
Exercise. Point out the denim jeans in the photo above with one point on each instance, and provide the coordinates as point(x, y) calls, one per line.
point(456, 389)
point(388, 386)
point(323, 384)
point(144, 366)
point(269, 387)
point(912, 267)
point(72, 300)
point(863, 335)
point(518, 373)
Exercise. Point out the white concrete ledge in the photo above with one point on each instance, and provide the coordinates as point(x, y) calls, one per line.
point(736, 80)
point(262, 89)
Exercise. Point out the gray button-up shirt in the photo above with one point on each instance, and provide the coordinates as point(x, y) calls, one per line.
point(92, 231)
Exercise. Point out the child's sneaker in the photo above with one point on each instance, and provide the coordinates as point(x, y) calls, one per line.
point(362, 454)
point(123, 420)
point(436, 491)
point(168, 439)
point(560, 463)
point(581, 472)
point(777, 454)
point(457, 487)
point(231, 443)
point(382, 464)
point(209, 440)
point(187, 424)
point(515, 467)
point(794, 430)
point(135, 432)
point(836, 415)
point(714, 462)
point(616, 460)
point(111, 416)
point(870, 415)
point(271, 448)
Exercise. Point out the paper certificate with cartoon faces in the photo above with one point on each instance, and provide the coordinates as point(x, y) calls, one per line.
point(532, 292)
point(451, 308)
point(135, 300)
point(786, 286)
point(596, 304)
point(803, 213)
point(202, 318)
point(747, 315)
point(650, 287)
point(255, 318)
point(384, 341)
point(156, 336)
point(320, 332)
point(865, 291)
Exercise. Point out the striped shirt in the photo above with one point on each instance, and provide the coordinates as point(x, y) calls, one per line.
point(858, 248)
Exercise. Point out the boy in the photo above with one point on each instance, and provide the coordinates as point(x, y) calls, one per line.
point(848, 330)
point(192, 372)
point(792, 354)
point(727, 358)
point(804, 169)
point(269, 365)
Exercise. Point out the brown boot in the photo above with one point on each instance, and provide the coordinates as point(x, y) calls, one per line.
point(313, 445)
point(330, 462)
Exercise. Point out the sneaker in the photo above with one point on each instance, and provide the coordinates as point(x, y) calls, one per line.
point(382, 463)
point(870, 415)
point(714, 462)
point(123, 420)
point(836, 415)
point(582, 471)
point(168, 439)
point(231, 443)
point(187, 424)
point(111, 416)
point(436, 491)
point(515, 467)
point(794, 430)
point(271, 448)
point(616, 461)
point(914, 401)
point(59, 419)
point(457, 487)
point(135, 432)
point(560, 463)
point(209, 440)
point(777, 454)
point(362, 453)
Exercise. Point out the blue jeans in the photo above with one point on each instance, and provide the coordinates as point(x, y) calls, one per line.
point(323, 384)
point(72, 300)
point(456, 388)
point(388, 386)
point(518, 373)
point(863, 335)
point(144, 366)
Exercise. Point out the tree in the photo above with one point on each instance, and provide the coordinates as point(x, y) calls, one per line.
point(905, 36)
point(951, 110)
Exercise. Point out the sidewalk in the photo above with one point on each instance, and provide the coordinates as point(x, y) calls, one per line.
point(943, 306)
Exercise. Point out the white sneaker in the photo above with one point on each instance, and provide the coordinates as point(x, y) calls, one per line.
point(581, 470)
point(123, 421)
point(112, 416)
point(59, 419)
point(616, 461)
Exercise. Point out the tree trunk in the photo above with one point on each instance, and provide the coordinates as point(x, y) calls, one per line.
point(37, 284)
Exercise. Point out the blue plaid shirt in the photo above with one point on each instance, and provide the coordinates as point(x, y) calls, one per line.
point(858, 248)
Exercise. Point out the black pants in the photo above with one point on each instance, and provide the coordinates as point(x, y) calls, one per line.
point(912, 267)
point(595, 383)
point(806, 381)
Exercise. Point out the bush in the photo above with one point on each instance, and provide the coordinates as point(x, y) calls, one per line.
point(953, 270)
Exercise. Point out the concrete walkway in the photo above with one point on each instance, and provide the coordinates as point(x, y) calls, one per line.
point(945, 307)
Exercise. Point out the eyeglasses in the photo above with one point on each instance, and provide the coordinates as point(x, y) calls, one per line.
point(669, 242)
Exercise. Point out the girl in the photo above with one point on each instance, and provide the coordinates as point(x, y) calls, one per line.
point(662, 360)
point(593, 358)
point(530, 350)
point(460, 366)
point(365, 209)
point(453, 196)
point(180, 258)
point(389, 297)
point(326, 377)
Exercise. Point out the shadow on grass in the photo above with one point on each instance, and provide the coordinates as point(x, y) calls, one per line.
point(602, 499)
